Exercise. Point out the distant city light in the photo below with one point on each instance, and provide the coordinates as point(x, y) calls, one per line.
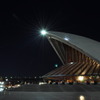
point(41, 83)
point(1, 89)
point(2, 83)
point(6, 79)
point(56, 65)
point(71, 62)
point(81, 78)
point(43, 32)
point(2, 86)
point(35, 77)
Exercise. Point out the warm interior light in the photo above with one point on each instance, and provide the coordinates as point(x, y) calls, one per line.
point(82, 97)
point(80, 78)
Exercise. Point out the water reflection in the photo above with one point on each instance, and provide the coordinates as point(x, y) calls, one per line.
point(81, 97)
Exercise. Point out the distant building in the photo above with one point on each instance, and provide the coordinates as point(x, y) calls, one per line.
point(80, 56)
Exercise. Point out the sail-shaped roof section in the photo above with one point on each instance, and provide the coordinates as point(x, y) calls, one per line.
point(87, 46)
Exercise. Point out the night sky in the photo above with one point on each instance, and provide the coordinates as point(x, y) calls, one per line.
point(23, 52)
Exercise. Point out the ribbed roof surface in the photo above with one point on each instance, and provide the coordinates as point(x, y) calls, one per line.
point(88, 46)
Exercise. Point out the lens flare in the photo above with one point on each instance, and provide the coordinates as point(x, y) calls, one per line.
point(43, 32)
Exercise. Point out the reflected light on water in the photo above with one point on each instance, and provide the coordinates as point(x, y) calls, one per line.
point(81, 98)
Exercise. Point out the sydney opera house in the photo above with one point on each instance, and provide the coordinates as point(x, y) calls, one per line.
point(80, 56)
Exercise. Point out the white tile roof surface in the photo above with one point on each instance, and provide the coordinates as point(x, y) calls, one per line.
point(88, 46)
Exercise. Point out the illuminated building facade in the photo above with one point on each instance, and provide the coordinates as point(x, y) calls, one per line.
point(80, 55)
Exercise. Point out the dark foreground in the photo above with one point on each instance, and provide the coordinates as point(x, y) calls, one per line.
point(53, 92)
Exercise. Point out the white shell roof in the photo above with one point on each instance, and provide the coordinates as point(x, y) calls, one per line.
point(88, 46)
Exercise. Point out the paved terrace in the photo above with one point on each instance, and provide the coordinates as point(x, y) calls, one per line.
point(53, 92)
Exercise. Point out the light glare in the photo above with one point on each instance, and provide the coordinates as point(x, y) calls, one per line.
point(82, 97)
point(1, 89)
point(43, 32)
point(80, 78)
point(41, 83)
point(67, 39)
point(71, 62)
